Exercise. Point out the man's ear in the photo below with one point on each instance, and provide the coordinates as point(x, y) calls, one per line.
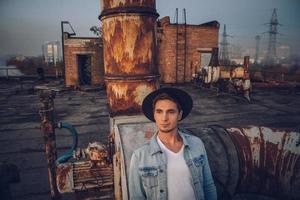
point(179, 116)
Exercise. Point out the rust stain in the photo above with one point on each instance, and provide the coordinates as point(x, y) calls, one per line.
point(141, 92)
point(62, 177)
point(127, 3)
point(129, 48)
point(82, 174)
point(126, 96)
point(269, 160)
point(129, 45)
point(46, 112)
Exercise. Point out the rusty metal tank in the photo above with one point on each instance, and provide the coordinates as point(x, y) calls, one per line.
point(129, 53)
point(253, 161)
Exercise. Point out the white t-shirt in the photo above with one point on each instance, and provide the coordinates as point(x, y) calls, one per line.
point(178, 175)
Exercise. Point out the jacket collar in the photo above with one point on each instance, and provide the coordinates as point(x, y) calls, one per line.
point(155, 148)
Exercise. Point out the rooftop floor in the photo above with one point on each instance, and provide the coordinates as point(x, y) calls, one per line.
point(22, 144)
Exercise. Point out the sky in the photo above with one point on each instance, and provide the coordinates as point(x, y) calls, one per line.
point(25, 25)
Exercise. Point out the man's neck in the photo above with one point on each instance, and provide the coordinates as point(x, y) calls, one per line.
point(170, 138)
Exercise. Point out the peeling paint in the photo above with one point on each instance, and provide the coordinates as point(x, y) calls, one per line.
point(269, 160)
point(127, 3)
point(129, 46)
point(126, 96)
point(141, 92)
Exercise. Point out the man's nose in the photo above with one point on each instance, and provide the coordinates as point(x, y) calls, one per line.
point(165, 116)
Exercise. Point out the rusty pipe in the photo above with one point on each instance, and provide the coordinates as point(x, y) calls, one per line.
point(269, 160)
point(246, 63)
point(129, 53)
point(46, 112)
point(257, 160)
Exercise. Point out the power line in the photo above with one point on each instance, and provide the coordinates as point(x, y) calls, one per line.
point(271, 54)
point(224, 53)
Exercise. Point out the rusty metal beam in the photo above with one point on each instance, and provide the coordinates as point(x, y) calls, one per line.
point(46, 112)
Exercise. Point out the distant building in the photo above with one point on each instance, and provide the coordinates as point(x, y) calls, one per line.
point(238, 54)
point(240, 61)
point(51, 52)
point(20, 57)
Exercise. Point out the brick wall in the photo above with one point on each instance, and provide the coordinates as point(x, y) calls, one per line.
point(83, 46)
point(197, 36)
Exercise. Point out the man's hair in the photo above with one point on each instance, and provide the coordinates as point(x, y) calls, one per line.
point(165, 96)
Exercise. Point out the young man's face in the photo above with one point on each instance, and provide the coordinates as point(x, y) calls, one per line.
point(166, 115)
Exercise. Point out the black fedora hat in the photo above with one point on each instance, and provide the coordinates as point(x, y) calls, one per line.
point(182, 97)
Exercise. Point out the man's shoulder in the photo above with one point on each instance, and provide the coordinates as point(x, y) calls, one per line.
point(190, 137)
point(145, 148)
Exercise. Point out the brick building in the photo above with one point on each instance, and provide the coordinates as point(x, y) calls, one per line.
point(181, 48)
point(83, 61)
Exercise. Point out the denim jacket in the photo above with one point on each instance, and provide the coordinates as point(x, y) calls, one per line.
point(148, 176)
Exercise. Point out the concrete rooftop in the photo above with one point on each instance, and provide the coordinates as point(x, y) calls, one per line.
point(22, 144)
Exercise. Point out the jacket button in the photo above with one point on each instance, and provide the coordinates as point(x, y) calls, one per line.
point(161, 171)
point(161, 191)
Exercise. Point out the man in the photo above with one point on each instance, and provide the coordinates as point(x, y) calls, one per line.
point(173, 165)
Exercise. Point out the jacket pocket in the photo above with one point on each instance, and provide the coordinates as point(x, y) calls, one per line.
point(199, 161)
point(149, 176)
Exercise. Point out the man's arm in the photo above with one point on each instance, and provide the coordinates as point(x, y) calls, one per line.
point(209, 187)
point(136, 190)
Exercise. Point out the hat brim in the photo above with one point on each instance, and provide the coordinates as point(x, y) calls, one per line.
point(183, 98)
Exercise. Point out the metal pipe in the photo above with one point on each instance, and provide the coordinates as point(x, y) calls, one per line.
point(63, 47)
point(253, 160)
point(246, 63)
point(269, 161)
point(46, 112)
point(129, 53)
point(63, 42)
point(68, 154)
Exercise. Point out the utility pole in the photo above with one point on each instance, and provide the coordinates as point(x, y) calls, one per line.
point(271, 54)
point(257, 38)
point(224, 53)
